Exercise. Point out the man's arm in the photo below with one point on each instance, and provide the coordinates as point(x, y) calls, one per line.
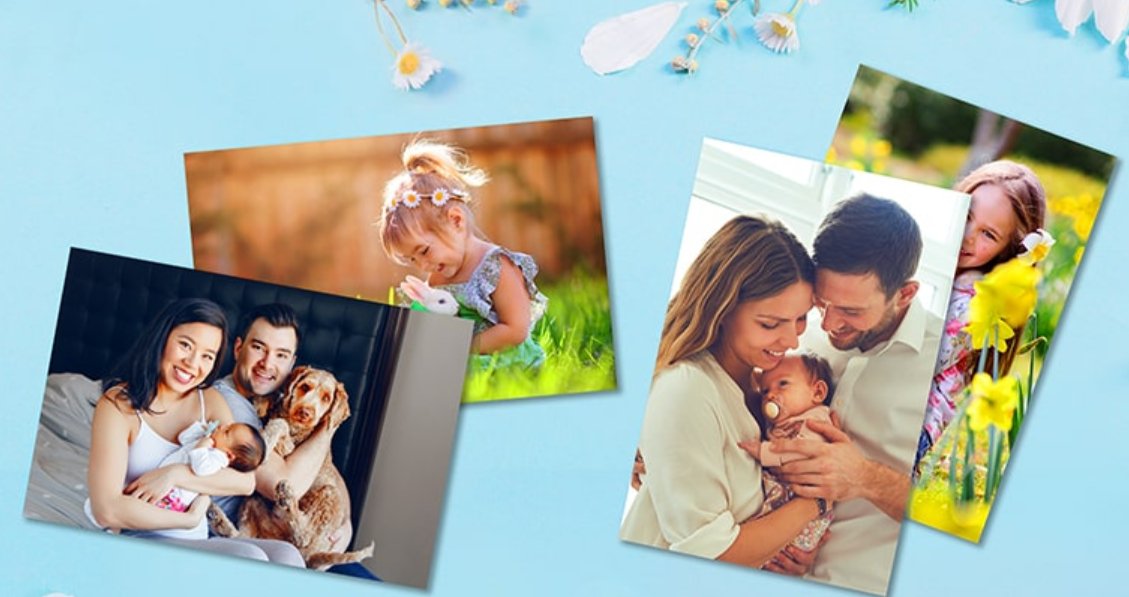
point(299, 468)
point(837, 471)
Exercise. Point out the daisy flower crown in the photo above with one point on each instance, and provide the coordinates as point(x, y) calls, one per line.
point(412, 199)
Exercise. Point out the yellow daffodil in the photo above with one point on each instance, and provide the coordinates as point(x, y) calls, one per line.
point(993, 402)
point(937, 509)
point(1037, 246)
point(1004, 300)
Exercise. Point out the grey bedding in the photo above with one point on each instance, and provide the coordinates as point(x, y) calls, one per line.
point(57, 484)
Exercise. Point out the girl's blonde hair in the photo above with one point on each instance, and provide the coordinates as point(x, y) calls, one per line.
point(750, 258)
point(436, 178)
point(1023, 190)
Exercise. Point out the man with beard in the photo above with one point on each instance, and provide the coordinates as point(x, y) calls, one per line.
point(882, 345)
point(266, 349)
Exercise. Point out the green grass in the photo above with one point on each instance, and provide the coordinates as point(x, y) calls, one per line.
point(576, 333)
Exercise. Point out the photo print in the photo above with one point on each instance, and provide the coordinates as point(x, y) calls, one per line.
point(1035, 198)
point(804, 321)
point(168, 388)
point(498, 224)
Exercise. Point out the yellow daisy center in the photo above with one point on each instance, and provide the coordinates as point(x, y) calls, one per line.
point(781, 29)
point(408, 63)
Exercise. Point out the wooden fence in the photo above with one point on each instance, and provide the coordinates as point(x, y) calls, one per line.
point(304, 214)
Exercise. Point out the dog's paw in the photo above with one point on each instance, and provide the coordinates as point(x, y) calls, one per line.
point(219, 522)
point(283, 496)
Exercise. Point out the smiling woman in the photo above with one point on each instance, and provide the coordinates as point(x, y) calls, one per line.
point(742, 303)
point(159, 388)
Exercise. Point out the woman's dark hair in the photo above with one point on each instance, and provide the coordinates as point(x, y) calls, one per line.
point(139, 368)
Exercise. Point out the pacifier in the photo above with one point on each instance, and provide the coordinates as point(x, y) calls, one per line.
point(771, 409)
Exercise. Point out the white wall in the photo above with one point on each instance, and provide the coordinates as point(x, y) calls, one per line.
point(734, 179)
point(404, 502)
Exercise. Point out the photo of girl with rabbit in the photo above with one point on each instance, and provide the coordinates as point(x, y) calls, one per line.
point(428, 225)
point(498, 224)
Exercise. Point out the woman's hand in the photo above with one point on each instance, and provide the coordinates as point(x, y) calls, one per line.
point(155, 484)
point(753, 449)
point(794, 561)
point(638, 470)
point(198, 510)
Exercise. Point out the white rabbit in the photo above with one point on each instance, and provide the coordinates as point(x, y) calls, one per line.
point(432, 299)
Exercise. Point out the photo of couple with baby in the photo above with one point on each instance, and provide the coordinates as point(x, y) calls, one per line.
point(793, 368)
point(248, 419)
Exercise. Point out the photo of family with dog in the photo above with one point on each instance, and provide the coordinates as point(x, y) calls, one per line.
point(226, 429)
point(501, 225)
point(793, 367)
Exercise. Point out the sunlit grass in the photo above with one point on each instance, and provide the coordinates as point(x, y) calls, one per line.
point(576, 334)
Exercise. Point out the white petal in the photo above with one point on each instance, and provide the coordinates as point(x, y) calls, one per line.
point(1021, 1)
point(621, 42)
point(1112, 16)
point(1072, 13)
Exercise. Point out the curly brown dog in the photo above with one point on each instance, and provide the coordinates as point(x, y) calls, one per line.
point(311, 396)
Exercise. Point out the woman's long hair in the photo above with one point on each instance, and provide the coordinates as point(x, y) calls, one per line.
point(750, 258)
point(139, 369)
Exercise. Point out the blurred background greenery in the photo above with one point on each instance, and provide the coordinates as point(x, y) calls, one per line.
point(894, 127)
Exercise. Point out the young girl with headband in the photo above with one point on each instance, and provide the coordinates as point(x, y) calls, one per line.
point(427, 224)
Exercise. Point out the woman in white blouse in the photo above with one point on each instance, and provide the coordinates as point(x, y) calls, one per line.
point(742, 303)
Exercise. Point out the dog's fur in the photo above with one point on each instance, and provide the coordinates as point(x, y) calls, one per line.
point(311, 395)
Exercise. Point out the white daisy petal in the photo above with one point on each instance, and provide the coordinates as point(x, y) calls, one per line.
point(622, 41)
point(1111, 16)
point(1072, 13)
point(777, 32)
point(414, 66)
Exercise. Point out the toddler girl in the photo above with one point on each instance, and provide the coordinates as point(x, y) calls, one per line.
point(427, 224)
point(1005, 217)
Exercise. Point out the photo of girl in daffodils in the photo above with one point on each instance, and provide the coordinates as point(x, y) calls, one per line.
point(975, 404)
point(1005, 220)
point(427, 224)
point(1034, 201)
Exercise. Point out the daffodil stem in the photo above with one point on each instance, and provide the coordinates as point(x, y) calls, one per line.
point(377, 5)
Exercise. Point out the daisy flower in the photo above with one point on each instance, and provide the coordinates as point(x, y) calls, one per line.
point(439, 197)
point(414, 67)
point(777, 31)
point(410, 199)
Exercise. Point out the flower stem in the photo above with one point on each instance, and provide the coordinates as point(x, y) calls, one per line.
point(722, 18)
point(376, 6)
point(795, 9)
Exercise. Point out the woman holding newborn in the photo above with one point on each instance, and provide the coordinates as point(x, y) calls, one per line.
point(161, 386)
point(742, 303)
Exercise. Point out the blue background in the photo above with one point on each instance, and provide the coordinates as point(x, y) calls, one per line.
point(99, 101)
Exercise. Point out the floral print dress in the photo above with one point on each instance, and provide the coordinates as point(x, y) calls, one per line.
point(954, 364)
point(476, 303)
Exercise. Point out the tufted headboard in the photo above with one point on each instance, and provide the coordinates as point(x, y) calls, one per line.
point(107, 300)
